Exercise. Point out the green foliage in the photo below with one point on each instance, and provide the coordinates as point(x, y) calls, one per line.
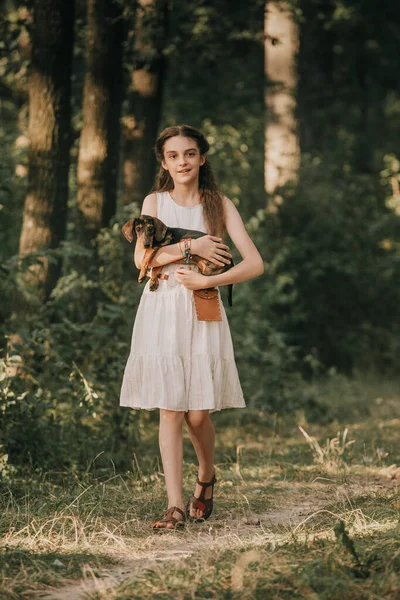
point(268, 366)
point(14, 37)
point(341, 260)
point(63, 407)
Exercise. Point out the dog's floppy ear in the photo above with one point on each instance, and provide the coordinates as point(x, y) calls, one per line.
point(129, 230)
point(160, 229)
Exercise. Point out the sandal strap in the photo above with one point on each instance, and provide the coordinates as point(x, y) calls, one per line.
point(169, 516)
point(170, 512)
point(200, 503)
point(206, 483)
point(204, 486)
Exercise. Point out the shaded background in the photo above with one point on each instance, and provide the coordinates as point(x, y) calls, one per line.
point(300, 103)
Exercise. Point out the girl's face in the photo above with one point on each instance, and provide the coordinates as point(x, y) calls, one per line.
point(182, 159)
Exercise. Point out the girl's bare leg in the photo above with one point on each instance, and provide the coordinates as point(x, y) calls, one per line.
point(171, 448)
point(202, 435)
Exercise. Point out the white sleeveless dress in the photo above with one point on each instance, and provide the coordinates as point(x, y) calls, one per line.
point(177, 362)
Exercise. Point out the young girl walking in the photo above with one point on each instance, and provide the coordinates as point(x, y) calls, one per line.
point(179, 364)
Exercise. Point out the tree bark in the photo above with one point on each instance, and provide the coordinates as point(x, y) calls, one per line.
point(44, 218)
point(315, 68)
point(281, 139)
point(98, 158)
point(142, 120)
point(117, 89)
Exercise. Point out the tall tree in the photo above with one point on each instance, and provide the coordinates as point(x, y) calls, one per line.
point(315, 67)
point(144, 100)
point(281, 139)
point(98, 159)
point(44, 219)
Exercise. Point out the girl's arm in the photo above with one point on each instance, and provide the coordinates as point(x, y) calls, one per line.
point(251, 266)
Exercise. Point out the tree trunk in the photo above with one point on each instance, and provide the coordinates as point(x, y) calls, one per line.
point(44, 219)
point(117, 88)
point(144, 100)
point(281, 140)
point(315, 68)
point(102, 101)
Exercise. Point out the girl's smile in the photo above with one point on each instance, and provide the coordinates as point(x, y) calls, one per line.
point(182, 158)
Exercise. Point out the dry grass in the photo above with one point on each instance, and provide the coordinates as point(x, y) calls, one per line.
point(282, 496)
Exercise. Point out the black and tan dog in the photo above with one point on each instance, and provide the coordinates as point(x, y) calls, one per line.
point(152, 234)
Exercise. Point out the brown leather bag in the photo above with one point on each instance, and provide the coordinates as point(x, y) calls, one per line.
point(207, 304)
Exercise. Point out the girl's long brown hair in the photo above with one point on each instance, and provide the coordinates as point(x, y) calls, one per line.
point(210, 196)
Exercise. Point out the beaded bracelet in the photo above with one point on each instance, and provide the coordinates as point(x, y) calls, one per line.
point(186, 255)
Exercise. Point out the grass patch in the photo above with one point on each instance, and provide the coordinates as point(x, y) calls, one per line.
point(293, 568)
point(302, 511)
point(24, 571)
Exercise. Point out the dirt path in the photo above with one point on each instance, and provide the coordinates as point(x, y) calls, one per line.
point(292, 514)
point(109, 577)
point(106, 578)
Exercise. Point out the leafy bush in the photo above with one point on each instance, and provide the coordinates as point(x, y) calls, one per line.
point(63, 406)
point(341, 259)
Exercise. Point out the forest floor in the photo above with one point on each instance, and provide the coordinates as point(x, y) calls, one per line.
point(301, 511)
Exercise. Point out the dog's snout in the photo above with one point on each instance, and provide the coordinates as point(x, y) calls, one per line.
point(146, 245)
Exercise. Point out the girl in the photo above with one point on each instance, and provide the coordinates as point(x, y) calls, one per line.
point(181, 365)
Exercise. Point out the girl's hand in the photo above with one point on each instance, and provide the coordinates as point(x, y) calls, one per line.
point(191, 279)
point(212, 248)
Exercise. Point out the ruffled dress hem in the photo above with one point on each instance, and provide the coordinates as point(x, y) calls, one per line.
point(201, 382)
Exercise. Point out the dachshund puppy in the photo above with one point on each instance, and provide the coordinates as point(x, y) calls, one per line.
point(152, 234)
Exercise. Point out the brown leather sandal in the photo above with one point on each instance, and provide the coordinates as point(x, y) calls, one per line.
point(169, 518)
point(206, 505)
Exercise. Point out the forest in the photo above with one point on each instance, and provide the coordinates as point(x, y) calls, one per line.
point(300, 103)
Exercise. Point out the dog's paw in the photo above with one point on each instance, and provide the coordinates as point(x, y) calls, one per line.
point(153, 285)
